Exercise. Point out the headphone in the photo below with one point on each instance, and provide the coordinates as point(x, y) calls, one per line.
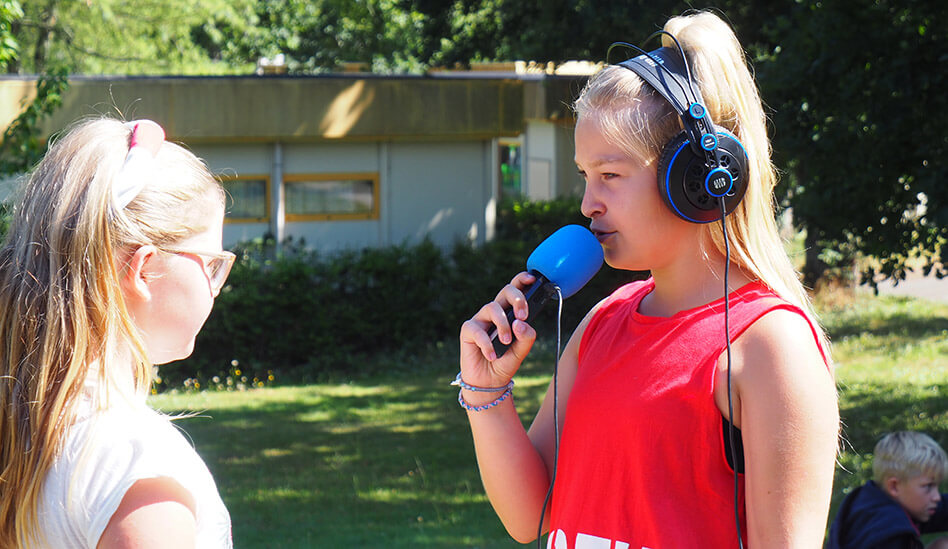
point(702, 165)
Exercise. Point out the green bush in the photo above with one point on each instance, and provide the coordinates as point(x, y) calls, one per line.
point(299, 315)
point(531, 222)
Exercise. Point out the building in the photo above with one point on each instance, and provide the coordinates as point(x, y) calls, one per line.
point(352, 160)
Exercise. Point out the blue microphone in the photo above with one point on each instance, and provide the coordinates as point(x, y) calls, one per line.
point(568, 258)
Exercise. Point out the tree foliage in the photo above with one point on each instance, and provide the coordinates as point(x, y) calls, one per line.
point(120, 37)
point(21, 148)
point(854, 88)
point(10, 11)
point(859, 111)
point(319, 35)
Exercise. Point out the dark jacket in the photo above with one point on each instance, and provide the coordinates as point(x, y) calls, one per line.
point(869, 519)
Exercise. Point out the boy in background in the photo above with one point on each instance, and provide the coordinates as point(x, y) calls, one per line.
point(901, 502)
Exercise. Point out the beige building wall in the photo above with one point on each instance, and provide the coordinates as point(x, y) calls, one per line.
point(430, 142)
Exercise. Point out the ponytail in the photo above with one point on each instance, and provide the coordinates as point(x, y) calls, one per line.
point(720, 69)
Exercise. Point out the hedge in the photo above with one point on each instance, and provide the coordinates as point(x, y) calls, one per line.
point(301, 314)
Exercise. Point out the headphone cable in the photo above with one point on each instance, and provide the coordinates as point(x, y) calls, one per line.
point(730, 403)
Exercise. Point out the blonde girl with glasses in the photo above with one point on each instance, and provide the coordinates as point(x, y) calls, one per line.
point(111, 265)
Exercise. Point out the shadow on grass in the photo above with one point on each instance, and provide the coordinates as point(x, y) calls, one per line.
point(387, 466)
point(871, 410)
point(902, 324)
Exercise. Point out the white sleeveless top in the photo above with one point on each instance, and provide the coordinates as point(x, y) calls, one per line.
point(103, 456)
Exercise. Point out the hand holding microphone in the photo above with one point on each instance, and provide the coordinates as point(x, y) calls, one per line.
point(567, 259)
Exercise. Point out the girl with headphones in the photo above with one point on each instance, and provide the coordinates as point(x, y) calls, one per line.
point(698, 407)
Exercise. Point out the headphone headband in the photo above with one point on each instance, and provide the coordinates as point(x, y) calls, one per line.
point(664, 70)
point(661, 69)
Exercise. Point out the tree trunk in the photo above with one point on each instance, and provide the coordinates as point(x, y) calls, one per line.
point(46, 29)
point(814, 268)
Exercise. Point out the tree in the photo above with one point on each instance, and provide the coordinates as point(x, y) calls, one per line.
point(457, 32)
point(413, 35)
point(860, 114)
point(320, 35)
point(119, 37)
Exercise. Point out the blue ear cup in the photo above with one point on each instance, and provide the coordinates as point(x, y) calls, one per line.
point(691, 189)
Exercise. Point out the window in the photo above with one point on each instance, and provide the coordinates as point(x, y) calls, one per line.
point(248, 198)
point(510, 168)
point(325, 197)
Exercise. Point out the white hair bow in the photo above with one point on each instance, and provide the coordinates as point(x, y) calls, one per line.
point(144, 143)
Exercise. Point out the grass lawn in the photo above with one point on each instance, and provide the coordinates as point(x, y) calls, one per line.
point(387, 461)
point(377, 462)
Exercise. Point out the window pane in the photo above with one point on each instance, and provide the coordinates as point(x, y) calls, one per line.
point(329, 197)
point(247, 198)
point(510, 169)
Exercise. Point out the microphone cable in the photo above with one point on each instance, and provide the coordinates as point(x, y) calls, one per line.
point(556, 420)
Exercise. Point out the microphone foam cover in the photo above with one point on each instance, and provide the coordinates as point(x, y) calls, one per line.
point(569, 257)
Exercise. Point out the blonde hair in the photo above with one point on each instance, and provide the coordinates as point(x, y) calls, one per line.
point(62, 313)
point(908, 454)
point(640, 121)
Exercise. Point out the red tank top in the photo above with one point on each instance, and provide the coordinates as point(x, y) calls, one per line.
point(642, 461)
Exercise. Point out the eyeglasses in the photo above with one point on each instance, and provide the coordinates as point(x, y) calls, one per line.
point(216, 265)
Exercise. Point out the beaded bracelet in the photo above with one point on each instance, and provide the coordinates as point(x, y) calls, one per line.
point(458, 382)
point(489, 405)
